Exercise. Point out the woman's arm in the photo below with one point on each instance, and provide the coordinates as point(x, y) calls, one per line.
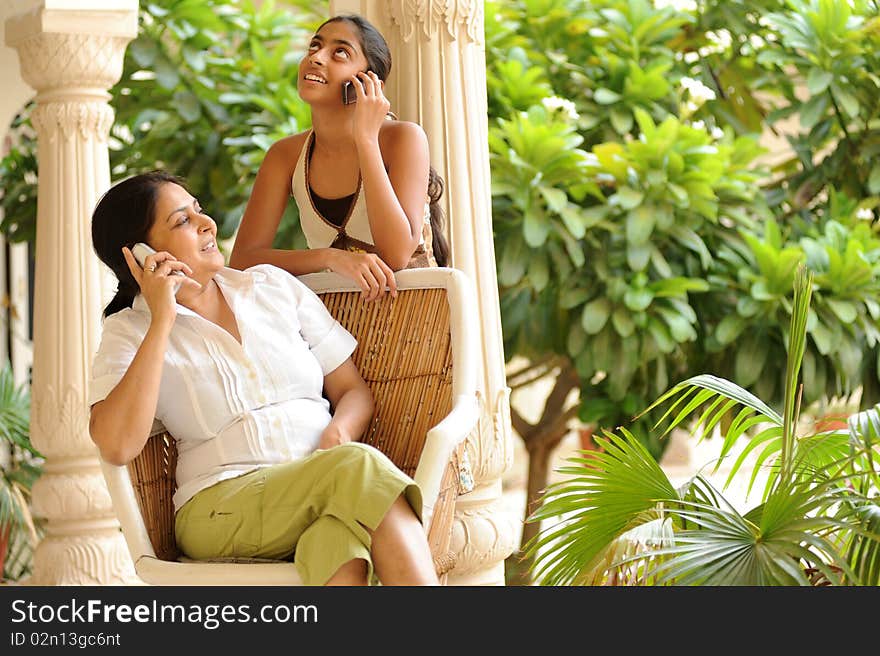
point(394, 161)
point(268, 199)
point(352, 405)
point(120, 424)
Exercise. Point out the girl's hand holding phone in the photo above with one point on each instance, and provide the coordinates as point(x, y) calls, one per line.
point(371, 108)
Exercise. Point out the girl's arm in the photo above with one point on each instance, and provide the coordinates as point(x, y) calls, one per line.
point(352, 405)
point(395, 176)
point(268, 199)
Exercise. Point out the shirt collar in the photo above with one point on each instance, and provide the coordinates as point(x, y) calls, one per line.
point(233, 282)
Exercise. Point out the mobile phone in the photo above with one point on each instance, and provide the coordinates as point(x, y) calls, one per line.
point(140, 251)
point(349, 95)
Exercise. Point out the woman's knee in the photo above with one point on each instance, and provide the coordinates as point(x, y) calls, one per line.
point(399, 515)
point(330, 546)
point(353, 572)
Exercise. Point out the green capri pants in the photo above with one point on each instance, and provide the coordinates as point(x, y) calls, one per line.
point(317, 507)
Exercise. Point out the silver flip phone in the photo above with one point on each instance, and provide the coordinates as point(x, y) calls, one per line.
point(140, 251)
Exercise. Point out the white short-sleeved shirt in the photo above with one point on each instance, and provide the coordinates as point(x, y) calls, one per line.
point(235, 407)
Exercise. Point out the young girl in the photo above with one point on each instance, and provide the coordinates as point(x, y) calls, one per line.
point(252, 375)
point(366, 193)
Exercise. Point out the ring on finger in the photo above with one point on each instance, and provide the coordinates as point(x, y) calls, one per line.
point(152, 268)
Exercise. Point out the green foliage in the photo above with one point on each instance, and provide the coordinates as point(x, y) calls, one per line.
point(619, 519)
point(17, 477)
point(18, 171)
point(636, 232)
point(843, 252)
point(815, 61)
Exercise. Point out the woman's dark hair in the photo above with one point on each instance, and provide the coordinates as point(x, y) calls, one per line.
point(378, 56)
point(123, 217)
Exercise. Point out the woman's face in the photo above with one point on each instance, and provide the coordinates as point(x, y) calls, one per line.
point(334, 55)
point(181, 227)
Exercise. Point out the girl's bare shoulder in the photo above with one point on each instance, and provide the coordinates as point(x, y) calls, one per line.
point(402, 135)
point(287, 149)
point(396, 130)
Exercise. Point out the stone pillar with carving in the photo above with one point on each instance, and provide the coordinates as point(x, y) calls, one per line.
point(71, 57)
point(438, 80)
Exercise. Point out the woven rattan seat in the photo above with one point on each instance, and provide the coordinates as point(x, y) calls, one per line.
point(417, 353)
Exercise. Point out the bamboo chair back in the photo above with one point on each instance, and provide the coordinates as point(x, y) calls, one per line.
point(404, 354)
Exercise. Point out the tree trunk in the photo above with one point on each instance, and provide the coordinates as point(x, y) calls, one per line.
point(541, 439)
point(539, 475)
point(586, 438)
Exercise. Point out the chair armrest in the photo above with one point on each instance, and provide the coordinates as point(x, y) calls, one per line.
point(127, 511)
point(440, 443)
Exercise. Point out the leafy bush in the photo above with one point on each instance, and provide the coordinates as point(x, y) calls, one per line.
point(18, 529)
point(643, 235)
point(637, 234)
point(620, 520)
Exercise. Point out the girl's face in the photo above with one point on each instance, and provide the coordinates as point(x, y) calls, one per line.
point(334, 56)
point(181, 227)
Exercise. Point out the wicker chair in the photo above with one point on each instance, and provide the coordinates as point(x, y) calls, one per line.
point(417, 353)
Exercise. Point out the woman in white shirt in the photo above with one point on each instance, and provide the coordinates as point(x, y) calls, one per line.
point(366, 192)
point(236, 366)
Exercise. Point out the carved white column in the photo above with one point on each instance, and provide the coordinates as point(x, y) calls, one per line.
point(438, 80)
point(71, 53)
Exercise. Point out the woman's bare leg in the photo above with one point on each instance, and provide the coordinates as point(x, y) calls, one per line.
point(401, 554)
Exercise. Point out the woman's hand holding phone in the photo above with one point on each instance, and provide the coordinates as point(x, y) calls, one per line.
point(142, 251)
point(160, 277)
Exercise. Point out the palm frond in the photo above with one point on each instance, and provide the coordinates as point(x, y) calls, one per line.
point(744, 422)
point(15, 504)
point(717, 392)
point(610, 493)
point(818, 522)
point(862, 550)
point(627, 560)
point(803, 289)
point(777, 543)
point(14, 412)
point(18, 474)
point(864, 434)
point(713, 385)
point(20, 551)
point(770, 439)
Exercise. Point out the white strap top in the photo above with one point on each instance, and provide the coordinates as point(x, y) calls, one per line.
point(354, 233)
